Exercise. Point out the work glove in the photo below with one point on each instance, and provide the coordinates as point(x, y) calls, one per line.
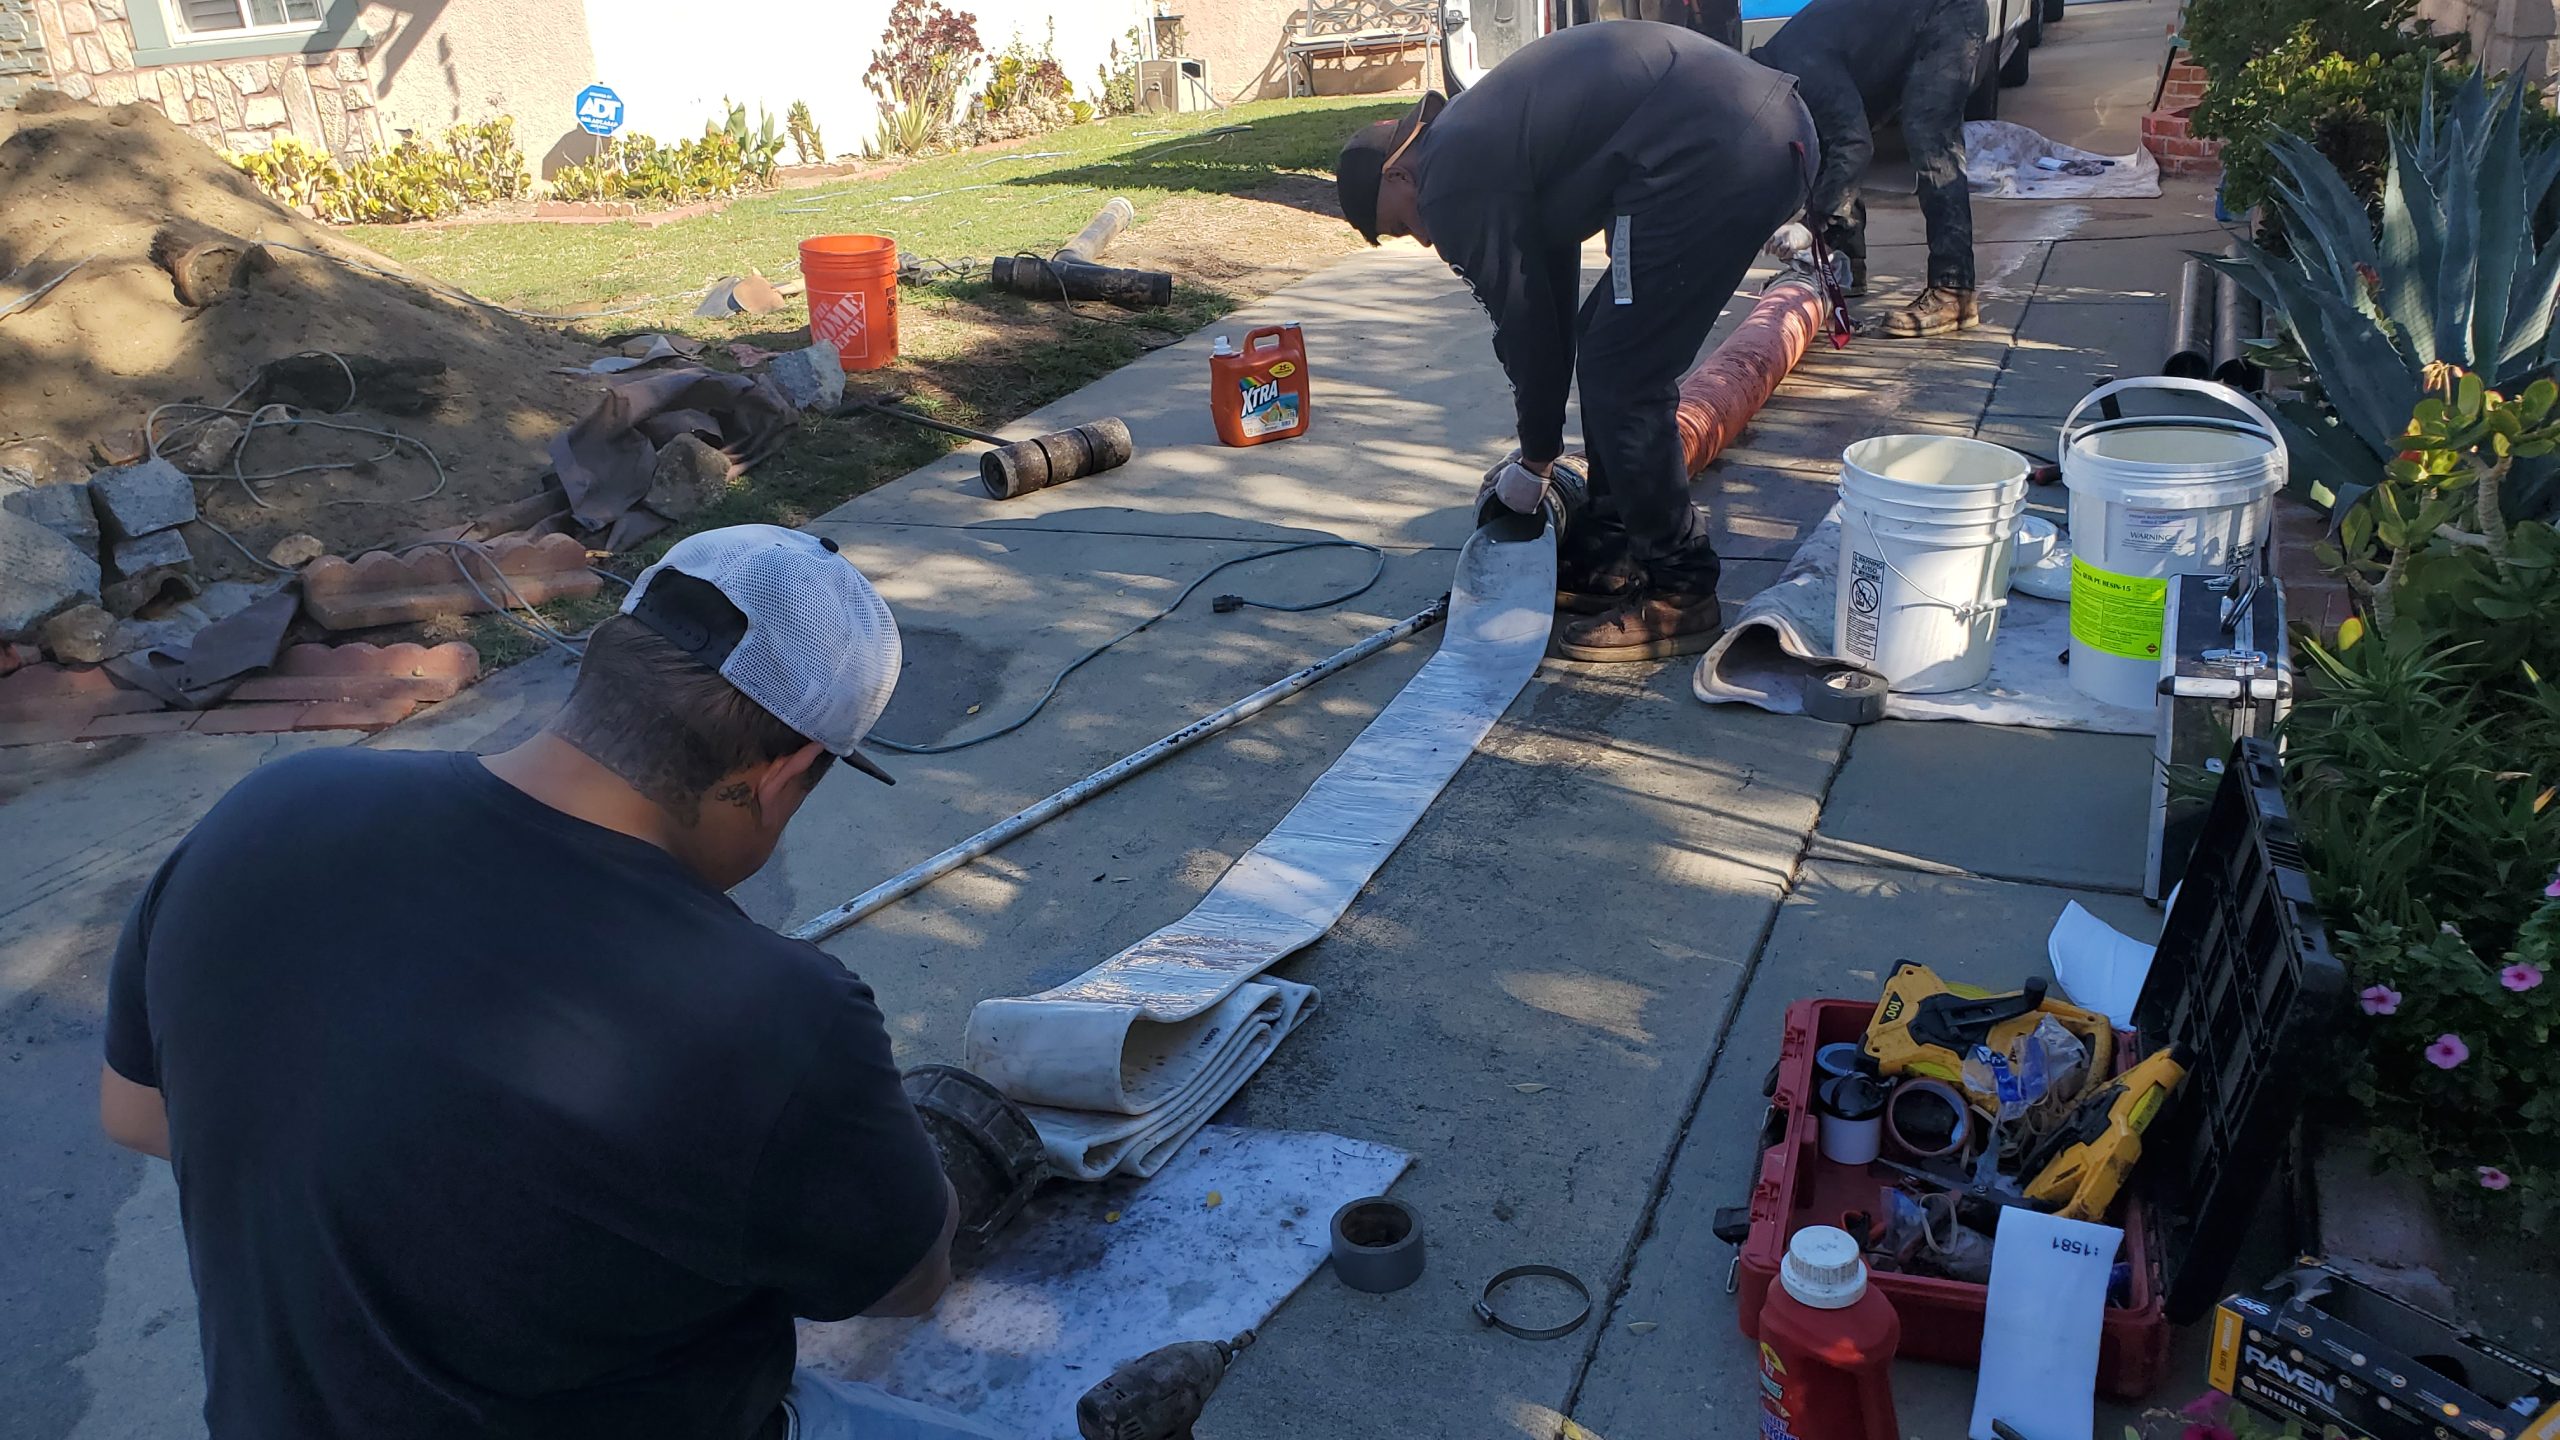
point(1518, 487)
point(1792, 239)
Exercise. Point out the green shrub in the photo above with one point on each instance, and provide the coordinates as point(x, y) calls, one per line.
point(2453, 275)
point(1027, 93)
point(414, 180)
point(926, 55)
point(2423, 764)
point(1116, 90)
point(2334, 72)
point(729, 159)
point(805, 142)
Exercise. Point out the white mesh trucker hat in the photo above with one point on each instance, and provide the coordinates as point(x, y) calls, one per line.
point(788, 621)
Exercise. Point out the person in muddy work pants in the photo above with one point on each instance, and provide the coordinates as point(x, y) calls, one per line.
point(1855, 60)
point(1685, 156)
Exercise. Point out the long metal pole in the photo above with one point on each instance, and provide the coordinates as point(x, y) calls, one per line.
point(914, 878)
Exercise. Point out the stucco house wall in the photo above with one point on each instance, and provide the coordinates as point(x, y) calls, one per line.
point(1241, 40)
point(367, 72)
point(673, 63)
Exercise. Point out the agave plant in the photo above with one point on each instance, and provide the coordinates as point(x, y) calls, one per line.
point(2453, 278)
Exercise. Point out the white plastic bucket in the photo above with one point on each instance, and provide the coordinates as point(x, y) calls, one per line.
point(2154, 496)
point(1926, 526)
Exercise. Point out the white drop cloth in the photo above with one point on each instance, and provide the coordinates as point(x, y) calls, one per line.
point(1783, 637)
point(1066, 1296)
point(2000, 164)
point(1119, 1065)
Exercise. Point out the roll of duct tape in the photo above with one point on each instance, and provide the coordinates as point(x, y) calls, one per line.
point(1927, 1118)
point(1846, 697)
point(1377, 1245)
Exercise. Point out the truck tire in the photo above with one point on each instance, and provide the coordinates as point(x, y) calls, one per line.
point(2014, 72)
point(2033, 35)
point(1984, 102)
point(2051, 12)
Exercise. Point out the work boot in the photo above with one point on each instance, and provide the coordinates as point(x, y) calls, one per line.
point(1654, 625)
point(1857, 277)
point(1937, 311)
point(1589, 591)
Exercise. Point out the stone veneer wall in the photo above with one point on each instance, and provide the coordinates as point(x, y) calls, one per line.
point(22, 60)
point(86, 47)
point(2520, 36)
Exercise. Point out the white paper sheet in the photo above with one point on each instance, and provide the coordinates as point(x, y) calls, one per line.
point(2040, 1326)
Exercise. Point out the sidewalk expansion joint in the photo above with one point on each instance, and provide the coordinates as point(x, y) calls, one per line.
point(1623, 1273)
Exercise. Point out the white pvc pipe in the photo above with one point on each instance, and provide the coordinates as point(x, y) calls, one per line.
point(915, 877)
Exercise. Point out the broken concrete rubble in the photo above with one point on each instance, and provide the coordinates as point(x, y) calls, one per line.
point(41, 575)
point(690, 473)
point(296, 550)
point(83, 635)
point(136, 500)
point(161, 549)
point(208, 451)
point(64, 508)
point(813, 378)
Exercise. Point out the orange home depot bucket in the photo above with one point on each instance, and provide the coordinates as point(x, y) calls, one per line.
point(853, 296)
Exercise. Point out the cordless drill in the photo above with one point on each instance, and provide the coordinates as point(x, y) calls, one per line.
point(1159, 1395)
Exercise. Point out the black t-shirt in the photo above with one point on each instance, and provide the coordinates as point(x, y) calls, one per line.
point(489, 1121)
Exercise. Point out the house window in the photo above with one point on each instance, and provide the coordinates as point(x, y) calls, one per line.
point(207, 19)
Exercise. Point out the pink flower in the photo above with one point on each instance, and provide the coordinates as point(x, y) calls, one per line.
point(2206, 1415)
point(2493, 1178)
point(2379, 1000)
point(2552, 890)
point(2520, 977)
point(2447, 1052)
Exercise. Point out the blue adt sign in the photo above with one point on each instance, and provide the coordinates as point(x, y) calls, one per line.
point(599, 110)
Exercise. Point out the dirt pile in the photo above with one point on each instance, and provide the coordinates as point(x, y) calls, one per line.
point(114, 341)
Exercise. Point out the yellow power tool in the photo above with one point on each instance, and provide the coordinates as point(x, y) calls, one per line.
point(2076, 1170)
point(1926, 1026)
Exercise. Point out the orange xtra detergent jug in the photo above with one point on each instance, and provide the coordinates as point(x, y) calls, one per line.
point(1260, 392)
point(1826, 1345)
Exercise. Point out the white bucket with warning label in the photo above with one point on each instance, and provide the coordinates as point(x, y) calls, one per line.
point(2153, 496)
point(1926, 526)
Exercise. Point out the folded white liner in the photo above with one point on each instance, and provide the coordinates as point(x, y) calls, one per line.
point(1118, 1066)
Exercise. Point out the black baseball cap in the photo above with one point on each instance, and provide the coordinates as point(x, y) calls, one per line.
point(1367, 154)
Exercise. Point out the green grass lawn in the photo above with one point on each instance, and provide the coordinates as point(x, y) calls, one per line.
point(968, 353)
point(958, 208)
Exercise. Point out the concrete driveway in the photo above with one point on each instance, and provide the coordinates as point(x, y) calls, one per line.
point(1613, 899)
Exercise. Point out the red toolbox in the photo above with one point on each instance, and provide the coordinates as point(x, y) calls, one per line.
point(2243, 979)
point(1941, 1319)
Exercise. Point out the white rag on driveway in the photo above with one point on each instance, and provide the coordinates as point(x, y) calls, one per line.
point(1120, 1065)
point(2000, 164)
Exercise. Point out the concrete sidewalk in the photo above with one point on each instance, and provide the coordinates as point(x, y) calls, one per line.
point(1613, 900)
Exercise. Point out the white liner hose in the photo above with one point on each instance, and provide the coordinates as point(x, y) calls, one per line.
point(1120, 1066)
point(924, 872)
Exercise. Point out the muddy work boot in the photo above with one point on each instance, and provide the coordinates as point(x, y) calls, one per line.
point(1654, 625)
point(1935, 312)
point(1588, 591)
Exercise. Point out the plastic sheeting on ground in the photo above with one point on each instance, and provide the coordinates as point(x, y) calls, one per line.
point(1070, 1294)
point(1120, 1065)
point(1783, 637)
point(2001, 163)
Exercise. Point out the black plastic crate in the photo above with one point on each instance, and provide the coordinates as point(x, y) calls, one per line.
point(2244, 979)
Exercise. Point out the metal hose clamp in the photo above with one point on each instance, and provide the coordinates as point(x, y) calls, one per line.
point(1487, 1314)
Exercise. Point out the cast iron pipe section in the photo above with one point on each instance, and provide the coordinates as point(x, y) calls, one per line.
point(2237, 320)
point(2191, 317)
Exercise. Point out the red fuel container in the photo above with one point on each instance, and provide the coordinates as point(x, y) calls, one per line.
point(1826, 1345)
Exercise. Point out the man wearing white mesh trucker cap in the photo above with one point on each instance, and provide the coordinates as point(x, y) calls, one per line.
point(491, 1114)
